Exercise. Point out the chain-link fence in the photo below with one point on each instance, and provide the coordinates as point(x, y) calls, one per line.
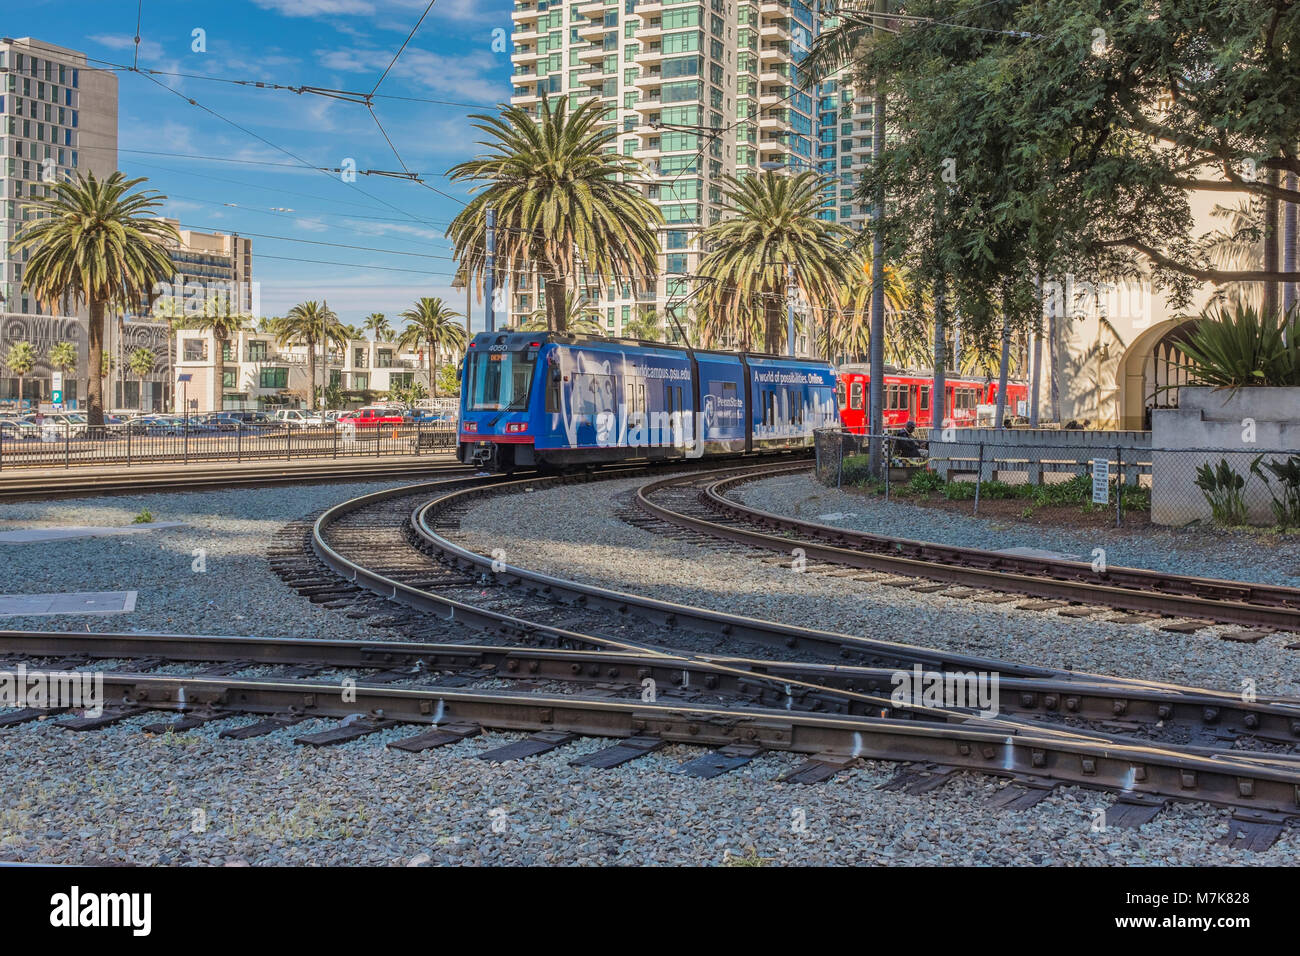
point(1131, 480)
point(67, 444)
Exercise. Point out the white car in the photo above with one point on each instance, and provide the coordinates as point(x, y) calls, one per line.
point(297, 418)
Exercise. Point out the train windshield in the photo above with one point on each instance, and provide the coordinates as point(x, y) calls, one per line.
point(499, 381)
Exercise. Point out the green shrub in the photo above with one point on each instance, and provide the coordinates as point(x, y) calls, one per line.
point(1076, 491)
point(144, 517)
point(959, 490)
point(1222, 489)
point(1286, 509)
point(1000, 490)
point(925, 482)
point(856, 469)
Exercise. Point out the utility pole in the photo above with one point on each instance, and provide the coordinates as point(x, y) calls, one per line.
point(1290, 263)
point(876, 391)
point(789, 308)
point(489, 291)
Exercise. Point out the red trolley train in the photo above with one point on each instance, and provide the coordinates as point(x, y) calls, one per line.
point(907, 396)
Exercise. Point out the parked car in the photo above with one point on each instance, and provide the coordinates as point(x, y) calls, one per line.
point(372, 416)
point(224, 423)
point(16, 429)
point(258, 419)
point(297, 418)
point(169, 425)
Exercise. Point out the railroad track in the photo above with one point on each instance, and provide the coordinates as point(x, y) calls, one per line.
point(17, 486)
point(700, 506)
point(420, 577)
point(555, 659)
point(373, 687)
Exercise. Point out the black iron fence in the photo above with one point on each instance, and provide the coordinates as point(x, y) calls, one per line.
point(1169, 486)
point(67, 445)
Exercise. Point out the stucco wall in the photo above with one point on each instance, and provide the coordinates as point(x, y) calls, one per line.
point(1219, 425)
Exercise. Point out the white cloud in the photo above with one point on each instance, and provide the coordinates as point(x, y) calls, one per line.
point(311, 225)
point(317, 8)
point(356, 297)
point(466, 77)
point(149, 49)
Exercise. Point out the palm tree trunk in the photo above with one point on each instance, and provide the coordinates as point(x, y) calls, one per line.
point(772, 324)
point(1005, 359)
point(20, 392)
point(1289, 262)
point(218, 372)
point(95, 357)
point(311, 374)
point(1271, 289)
point(940, 351)
point(556, 318)
point(141, 402)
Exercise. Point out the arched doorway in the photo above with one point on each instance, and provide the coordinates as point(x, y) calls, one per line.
point(1151, 374)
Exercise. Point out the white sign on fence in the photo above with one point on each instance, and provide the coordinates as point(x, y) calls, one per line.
point(1100, 480)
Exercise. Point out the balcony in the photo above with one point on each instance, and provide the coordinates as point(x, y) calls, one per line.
point(523, 13)
point(591, 54)
point(594, 31)
point(649, 79)
point(529, 55)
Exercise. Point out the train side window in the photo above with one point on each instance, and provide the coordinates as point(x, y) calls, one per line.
point(553, 395)
point(640, 398)
point(855, 396)
point(796, 407)
point(839, 394)
point(924, 402)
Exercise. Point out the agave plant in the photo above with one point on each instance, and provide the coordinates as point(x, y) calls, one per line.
point(1239, 348)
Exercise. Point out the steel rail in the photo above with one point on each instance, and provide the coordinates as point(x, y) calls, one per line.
point(1134, 589)
point(799, 685)
point(1125, 700)
point(22, 487)
point(1262, 787)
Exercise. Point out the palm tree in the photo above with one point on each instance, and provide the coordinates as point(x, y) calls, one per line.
point(774, 237)
point(140, 363)
point(20, 360)
point(562, 202)
point(224, 323)
point(311, 324)
point(580, 316)
point(63, 356)
point(849, 327)
point(95, 240)
point(646, 326)
point(377, 323)
point(430, 326)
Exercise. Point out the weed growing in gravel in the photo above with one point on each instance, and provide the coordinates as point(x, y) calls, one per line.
point(750, 858)
point(144, 517)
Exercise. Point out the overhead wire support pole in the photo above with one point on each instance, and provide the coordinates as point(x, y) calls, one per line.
point(876, 424)
point(489, 290)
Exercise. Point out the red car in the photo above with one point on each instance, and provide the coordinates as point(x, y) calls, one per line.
point(372, 416)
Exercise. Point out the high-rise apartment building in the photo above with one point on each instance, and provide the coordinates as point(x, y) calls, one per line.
point(698, 90)
point(211, 266)
point(58, 118)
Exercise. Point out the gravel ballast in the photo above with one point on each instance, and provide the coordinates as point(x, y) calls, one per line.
point(1241, 555)
point(122, 796)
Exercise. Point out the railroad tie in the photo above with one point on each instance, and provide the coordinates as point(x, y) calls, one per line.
point(916, 779)
point(530, 746)
point(818, 768)
point(620, 753)
point(717, 762)
point(107, 718)
point(1253, 830)
point(1022, 793)
point(1133, 810)
point(27, 714)
point(263, 727)
point(438, 737)
point(346, 731)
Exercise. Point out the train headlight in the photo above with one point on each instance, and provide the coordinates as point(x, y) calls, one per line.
point(513, 428)
point(469, 426)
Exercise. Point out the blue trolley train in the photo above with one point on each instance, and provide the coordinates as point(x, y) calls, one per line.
point(544, 399)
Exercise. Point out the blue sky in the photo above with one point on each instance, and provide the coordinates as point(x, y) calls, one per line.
point(221, 178)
